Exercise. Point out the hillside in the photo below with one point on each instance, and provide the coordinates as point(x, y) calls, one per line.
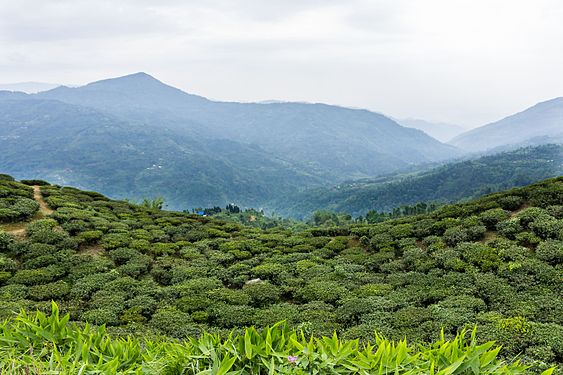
point(338, 141)
point(81, 146)
point(541, 123)
point(136, 137)
point(448, 183)
point(494, 262)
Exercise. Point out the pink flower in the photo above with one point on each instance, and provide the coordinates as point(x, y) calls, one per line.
point(292, 359)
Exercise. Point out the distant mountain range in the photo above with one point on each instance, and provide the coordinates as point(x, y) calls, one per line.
point(445, 184)
point(136, 137)
point(542, 123)
point(28, 87)
point(439, 130)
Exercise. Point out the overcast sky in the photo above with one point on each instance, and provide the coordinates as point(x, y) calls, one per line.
point(464, 62)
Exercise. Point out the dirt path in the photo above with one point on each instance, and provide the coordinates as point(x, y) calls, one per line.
point(17, 230)
point(43, 208)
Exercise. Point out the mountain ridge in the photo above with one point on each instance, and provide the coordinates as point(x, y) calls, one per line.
point(219, 147)
point(544, 119)
point(443, 184)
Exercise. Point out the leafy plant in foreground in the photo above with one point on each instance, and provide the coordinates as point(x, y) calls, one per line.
point(39, 343)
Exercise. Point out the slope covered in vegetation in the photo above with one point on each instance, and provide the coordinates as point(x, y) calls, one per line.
point(495, 262)
point(445, 184)
point(135, 137)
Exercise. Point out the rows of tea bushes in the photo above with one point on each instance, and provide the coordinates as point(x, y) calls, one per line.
point(495, 263)
point(42, 344)
point(16, 200)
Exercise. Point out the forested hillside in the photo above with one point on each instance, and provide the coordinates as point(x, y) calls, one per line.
point(495, 262)
point(445, 184)
point(135, 137)
point(85, 147)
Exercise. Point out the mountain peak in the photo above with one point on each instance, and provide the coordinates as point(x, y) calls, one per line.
point(130, 79)
point(137, 89)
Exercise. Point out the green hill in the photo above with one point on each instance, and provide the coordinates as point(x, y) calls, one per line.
point(445, 184)
point(495, 262)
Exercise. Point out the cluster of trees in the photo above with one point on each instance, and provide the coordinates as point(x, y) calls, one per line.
point(420, 208)
point(249, 217)
point(495, 262)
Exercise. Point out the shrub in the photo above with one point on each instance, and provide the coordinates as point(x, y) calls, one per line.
point(262, 293)
point(555, 211)
point(85, 287)
point(192, 303)
point(550, 251)
point(480, 255)
point(268, 270)
point(229, 316)
point(511, 202)
point(509, 228)
point(36, 276)
point(101, 316)
point(35, 182)
point(230, 296)
point(546, 227)
point(492, 217)
point(326, 291)
point(91, 236)
point(7, 265)
point(51, 291)
point(527, 239)
point(455, 235)
point(370, 290)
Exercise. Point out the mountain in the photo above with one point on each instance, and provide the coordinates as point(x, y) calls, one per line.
point(136, 136)
point(448, 183)
point(439, 130)
point(85, 147)
point(493, 263)
point(334, 140)
point(28, 87)
point(542, 122)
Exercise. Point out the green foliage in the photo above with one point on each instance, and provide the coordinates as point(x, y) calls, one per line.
point(147, 273)
point(35, 182)
point(16, 201)
point(153, 204)
point(51, 344)
point(449, 183)
point(551, 251)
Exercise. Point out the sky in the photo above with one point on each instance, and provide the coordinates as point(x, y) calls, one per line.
point(462, 62)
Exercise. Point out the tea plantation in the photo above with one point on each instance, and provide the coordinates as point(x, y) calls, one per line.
point(152, 279)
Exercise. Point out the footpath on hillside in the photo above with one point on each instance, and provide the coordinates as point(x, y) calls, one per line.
point(18, 229)
point(43, 208)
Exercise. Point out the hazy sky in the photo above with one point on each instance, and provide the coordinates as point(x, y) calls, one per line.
point(465, 62)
